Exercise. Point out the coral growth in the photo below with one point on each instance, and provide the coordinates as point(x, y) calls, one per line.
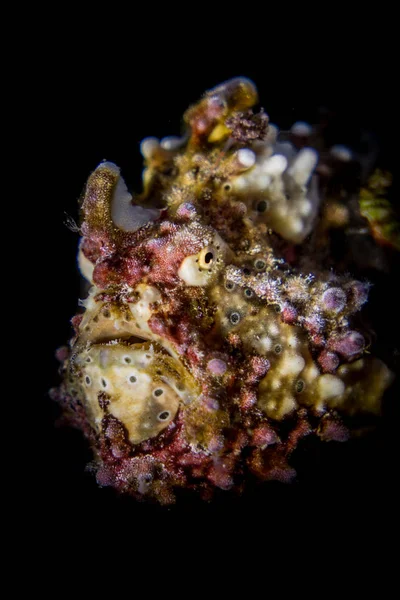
point(212, 340)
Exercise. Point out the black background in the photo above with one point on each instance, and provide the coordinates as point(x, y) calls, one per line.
point(97, 98)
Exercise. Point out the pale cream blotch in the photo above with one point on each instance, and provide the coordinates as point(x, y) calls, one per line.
point(279, 389)
point(294, 379)
point(139, 385)
point(280, 189)
point(261, 330)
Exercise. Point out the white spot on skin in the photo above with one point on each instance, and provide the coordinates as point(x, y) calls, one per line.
point(241, 183)
point(275, 384)
point(246, 158)
point(266, 343)
point(311, 372)
point(273, 329)
point(330, 386)
point(296, 225)
point(292, 364)
point(287, 406)
point(281, 210)
point(292, 341)
point(141, 310)
point(277, 410)
point(263, 181)
point(305, 207)
point(117, 324)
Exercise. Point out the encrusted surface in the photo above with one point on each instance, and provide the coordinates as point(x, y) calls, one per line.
point(212, 340)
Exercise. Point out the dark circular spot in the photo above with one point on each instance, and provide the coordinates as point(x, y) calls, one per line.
point(229, 285)
point(227, 187)
point(208, 258)
point(106, 314)
point(278, 349)
point(158, 392)
point(88, 380)
point(262, 206)
point(164, 415)
point(88, 359)
point(103, 382)
point(234, 318)
point(259, 265)
point(277, 308)
point(127, 360)
point(132, 379)
point(299, 386)
point(248, 293)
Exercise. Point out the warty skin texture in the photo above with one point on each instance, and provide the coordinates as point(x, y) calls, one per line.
point(204, 354)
